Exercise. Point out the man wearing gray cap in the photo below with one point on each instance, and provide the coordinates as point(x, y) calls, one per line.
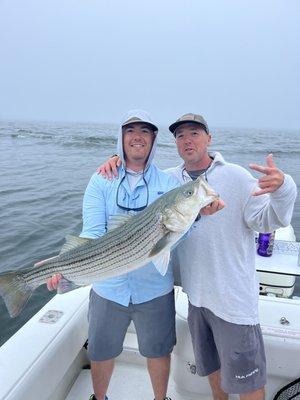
point(217, 261)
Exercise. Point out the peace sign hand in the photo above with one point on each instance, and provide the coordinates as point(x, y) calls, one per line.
point(271, 180)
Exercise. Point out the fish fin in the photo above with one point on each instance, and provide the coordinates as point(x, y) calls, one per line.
point(114, 221)
point(161, 254)
point(64, 286)
point(160, 245)
point(72, 242)
point(161, 262)
point(14, 291)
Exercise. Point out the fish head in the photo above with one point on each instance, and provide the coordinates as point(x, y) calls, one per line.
point(185, 204)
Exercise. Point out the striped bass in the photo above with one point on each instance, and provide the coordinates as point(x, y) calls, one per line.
point(144, 237)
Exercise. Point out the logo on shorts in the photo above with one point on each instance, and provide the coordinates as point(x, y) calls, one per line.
point(255, 371)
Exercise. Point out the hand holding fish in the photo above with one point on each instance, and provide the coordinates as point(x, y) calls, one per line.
point(52, 282)
point(212, 208)
point(271, 180)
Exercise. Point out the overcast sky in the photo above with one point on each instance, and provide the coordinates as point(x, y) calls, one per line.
point(237, 62)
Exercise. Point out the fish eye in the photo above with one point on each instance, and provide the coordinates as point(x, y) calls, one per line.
point(189, 193)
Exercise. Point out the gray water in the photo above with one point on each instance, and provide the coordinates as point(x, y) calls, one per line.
point(45, 167)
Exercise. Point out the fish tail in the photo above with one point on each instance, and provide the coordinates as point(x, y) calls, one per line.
point(14, 291)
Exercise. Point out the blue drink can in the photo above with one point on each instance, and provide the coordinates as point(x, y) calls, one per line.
point(265, 244)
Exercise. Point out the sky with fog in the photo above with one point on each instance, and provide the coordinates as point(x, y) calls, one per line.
point(237, 62)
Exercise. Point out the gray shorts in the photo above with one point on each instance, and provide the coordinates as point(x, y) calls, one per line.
point(237, 350)
point(154, 322)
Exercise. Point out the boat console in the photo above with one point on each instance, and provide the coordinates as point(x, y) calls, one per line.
point(277, 274)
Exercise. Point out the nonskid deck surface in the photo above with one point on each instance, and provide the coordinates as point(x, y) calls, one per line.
point(129, 382)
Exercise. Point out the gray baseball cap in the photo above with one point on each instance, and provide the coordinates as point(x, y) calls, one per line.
point(198, 119)
point(144, 119)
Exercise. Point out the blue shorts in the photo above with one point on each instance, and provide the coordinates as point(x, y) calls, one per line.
point(236, 350)
point(154, 322)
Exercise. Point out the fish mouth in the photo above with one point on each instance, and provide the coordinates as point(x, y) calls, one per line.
point(208, 191)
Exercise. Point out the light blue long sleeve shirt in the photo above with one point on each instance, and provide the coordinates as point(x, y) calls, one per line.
point(99, 204)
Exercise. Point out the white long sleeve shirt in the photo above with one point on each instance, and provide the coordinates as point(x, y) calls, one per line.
point(217, 261)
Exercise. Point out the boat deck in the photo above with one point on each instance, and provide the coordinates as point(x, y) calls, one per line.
point(130, 379)
point(129, 382)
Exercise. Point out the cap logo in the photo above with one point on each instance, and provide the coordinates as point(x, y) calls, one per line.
point(190, 117)
point(187, 116)
point(132, 119)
